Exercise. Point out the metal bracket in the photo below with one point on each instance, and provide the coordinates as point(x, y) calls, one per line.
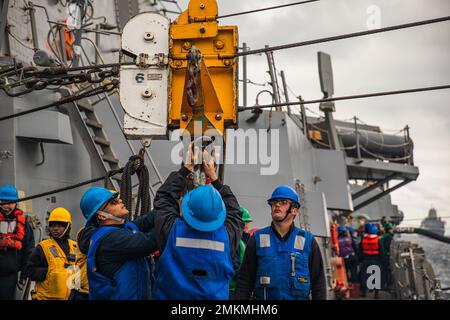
point(159, 60)
point(144, 87)
point(146, 143)
point(5, 154)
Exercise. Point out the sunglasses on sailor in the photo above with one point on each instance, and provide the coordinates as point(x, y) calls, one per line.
point(280, 202)
point(114, 201)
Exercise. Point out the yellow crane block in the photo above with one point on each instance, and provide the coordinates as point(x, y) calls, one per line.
point(198, 26)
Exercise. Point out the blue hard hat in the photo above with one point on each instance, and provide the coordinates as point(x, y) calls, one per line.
point(341, 228)
point(9, 192)
point(285, 192)
point(93, 199)
point(372, 229)
point(203, 208)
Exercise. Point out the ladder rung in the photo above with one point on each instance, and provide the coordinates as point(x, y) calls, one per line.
point(85, 105)
point(110, 159)
point(93, 123)
point(102, 141)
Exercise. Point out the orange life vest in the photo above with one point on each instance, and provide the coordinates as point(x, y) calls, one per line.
point(12, 231)
point(69, 39)
point(334, 238)
point(370, 244)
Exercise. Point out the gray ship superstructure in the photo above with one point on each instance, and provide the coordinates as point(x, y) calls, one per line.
point(337, 168)
point(433, 222)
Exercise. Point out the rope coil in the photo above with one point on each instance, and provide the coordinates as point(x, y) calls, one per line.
point(136, 165)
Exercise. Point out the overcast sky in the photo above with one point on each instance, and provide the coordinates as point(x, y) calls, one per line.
point(415, 57)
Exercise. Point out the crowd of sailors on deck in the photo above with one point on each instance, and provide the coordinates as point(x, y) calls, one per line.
point(362, 248)
point(193, 244)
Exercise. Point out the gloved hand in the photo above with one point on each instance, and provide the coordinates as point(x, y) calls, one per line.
point(209, 164)
point(21, 283)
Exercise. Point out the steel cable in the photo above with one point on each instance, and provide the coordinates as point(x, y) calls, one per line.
point(265, 9)
point(381, 157)
point(344, 36)
point(74, 186)
point(360, 96)
point(104, 88)
point(423, 232)
point(62, 70)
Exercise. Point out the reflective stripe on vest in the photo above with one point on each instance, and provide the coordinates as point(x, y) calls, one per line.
point(283, 266)
point(370, 244)
point(12, 231)
point(56, 285)
point(130, 282)
point(194, 265)
point(299, 242)
point(200, 244)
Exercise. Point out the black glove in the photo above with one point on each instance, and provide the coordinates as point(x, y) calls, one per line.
point(21, 283)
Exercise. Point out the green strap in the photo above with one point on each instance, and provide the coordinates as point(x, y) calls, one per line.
point(241, 251)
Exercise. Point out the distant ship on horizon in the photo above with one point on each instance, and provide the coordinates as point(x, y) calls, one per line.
point(433, 222)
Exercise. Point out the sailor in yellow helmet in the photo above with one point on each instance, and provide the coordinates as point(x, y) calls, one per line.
point(52, 263)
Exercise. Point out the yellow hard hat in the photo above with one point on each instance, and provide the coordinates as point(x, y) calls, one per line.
point(60, 215)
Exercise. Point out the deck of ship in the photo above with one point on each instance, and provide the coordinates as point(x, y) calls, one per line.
point(382, 295)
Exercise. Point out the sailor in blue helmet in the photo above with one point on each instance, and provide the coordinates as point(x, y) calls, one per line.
point(198, 237)
point(16, 242)
point(282, 262)
point(370, 255)
point(117, 250)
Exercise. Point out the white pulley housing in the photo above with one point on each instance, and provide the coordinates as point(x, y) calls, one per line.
point(144, 86)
